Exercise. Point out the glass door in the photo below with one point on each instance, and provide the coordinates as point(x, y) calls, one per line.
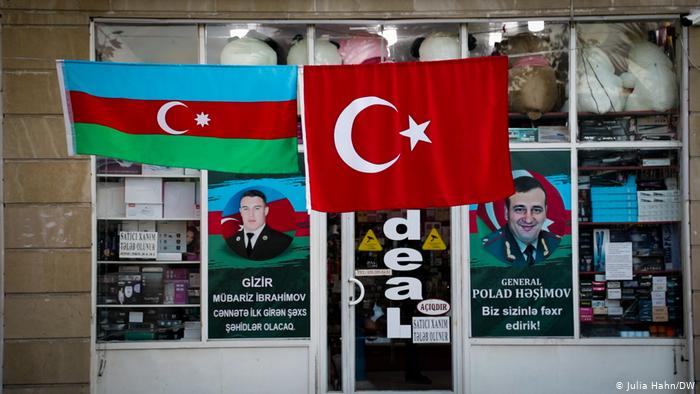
point(397, 310)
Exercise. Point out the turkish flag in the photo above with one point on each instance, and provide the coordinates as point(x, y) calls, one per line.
point(407, 135)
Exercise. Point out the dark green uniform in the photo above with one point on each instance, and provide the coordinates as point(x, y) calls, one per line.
point(502, 245)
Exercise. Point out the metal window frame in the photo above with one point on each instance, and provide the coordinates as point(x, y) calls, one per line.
point(317, 342)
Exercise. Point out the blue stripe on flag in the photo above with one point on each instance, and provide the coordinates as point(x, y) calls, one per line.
point(185, 82)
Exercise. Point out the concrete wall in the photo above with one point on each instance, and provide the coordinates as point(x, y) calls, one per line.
point(47, 217)
point(47, 211)
point(257, 370)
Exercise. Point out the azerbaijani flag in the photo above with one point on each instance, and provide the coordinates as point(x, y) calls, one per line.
point(239, 119)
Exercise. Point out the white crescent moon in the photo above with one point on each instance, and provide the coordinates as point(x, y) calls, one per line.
point(224, 220)
point(161, 117)
point(343, 136)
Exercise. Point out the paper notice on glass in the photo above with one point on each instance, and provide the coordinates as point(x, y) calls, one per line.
point(431, 329)
point(659, 314)
point(658, 298)
point(614, 294)
point(618, 261)
point(138, 244)
point(659, 283)
point(615, 310)
point(135, 317)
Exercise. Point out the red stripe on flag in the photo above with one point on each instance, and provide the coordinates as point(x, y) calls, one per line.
point(254, 120)
point(214, 222)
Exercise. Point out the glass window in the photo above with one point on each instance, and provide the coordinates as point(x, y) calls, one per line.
point(422, 42)
point(131, 43)
point(627, 89)
point(629, 199)
point(148, 219)
point(629, 243)
point(384, 360)
point(356, 44)
point(148, 252)
point(253, 43)
point(366, 44)
point(257, 44)
point(538, 54)
point(627, 81)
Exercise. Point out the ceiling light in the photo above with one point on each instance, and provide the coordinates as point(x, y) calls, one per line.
point(240, 33)
point(390, 35)
point(535, 25)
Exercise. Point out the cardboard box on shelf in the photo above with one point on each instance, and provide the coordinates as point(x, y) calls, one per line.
point(138, 225)
point(177, 273)
point(110, 199)
point(144, 211)
point(152, 282)
point(659, 205)
point(172, 237)
point(656, 162)
point(107, 288)
point(586, 314)
point(193, 330)
point(175, 291)
point(671, 245)
point(552, 134)
point(178, 199)
point(603, 192)
point(522, 134)
point(143, 190)
point(614, 204)
point(614, 215)
point(194, 279)
point(129, 289)
point(169, 256)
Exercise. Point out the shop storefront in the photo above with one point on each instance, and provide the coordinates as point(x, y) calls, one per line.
point(433, 299)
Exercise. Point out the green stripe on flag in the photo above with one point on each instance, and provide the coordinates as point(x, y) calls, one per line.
point(246, 156)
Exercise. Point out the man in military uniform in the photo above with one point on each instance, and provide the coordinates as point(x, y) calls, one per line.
point(522, 242)
point(256, 240)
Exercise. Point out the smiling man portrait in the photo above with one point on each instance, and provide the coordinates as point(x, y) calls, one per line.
point(523, 242)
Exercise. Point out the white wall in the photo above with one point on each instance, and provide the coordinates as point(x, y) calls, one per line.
point(205, 370)
point(513, 368)
point(581, 369)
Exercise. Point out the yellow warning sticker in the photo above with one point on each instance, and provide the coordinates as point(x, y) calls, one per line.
point(434, 241)
point(370, 243)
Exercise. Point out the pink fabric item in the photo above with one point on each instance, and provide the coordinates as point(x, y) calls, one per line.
point(532, 61)
point(359, 50)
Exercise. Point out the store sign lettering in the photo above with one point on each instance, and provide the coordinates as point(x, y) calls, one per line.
point(402, 260)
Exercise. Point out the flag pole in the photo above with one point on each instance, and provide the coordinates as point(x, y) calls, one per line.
point(67, 113)
point(300, 95)
point(311, 60)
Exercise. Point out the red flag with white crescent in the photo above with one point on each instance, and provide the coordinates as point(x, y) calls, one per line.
point(407, 135)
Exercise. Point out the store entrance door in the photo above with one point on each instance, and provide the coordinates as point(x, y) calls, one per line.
point(398, 307)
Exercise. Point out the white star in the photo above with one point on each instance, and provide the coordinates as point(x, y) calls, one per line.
point(416, 132)
point(202, 119)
